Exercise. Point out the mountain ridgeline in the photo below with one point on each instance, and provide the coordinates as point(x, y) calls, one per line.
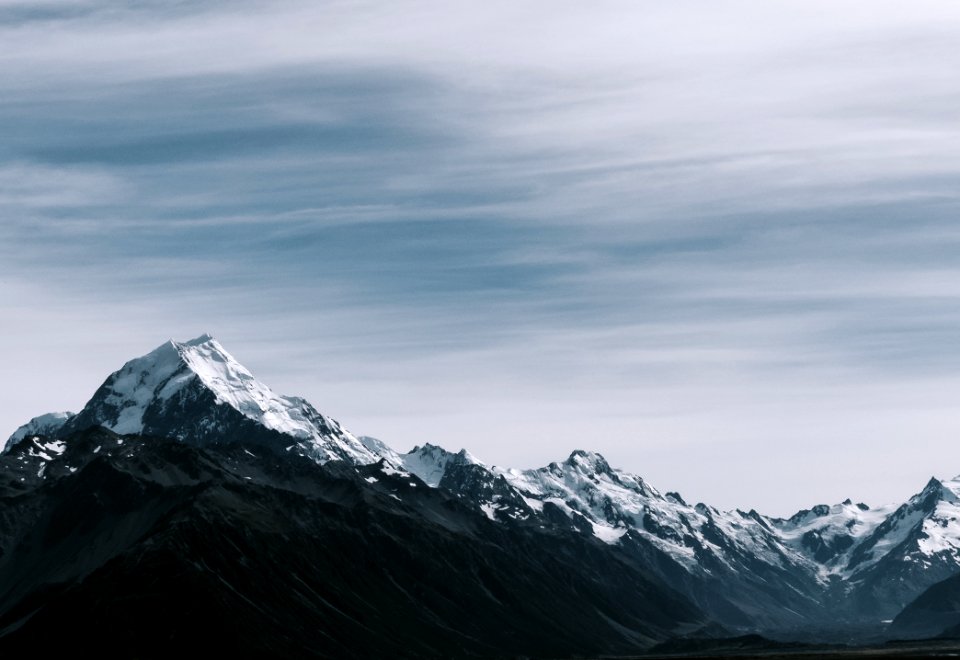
point(187, 501)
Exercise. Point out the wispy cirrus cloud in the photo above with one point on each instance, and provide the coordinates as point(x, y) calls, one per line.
point(648, 229)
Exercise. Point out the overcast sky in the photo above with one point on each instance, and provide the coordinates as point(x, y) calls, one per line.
point(717, 242)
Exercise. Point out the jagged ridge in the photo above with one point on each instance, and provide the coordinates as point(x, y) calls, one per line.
point(848, 555)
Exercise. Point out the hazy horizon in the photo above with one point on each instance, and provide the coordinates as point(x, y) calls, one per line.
point(716, 243)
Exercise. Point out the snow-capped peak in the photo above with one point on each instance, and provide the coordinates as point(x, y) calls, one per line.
point(205, 338)
point(430, 462)
point(588, 461)
point(185, 390)
point(235, 385)
point(585, 486)
point(945, 490)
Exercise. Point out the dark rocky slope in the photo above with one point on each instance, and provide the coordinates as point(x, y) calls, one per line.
point(143, 547)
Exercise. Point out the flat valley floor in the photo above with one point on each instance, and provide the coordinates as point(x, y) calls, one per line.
point(923, 649)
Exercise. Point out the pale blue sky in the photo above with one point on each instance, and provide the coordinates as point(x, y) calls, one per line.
point(716, 242)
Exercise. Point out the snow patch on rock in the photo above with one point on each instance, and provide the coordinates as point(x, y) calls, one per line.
point(43, 425)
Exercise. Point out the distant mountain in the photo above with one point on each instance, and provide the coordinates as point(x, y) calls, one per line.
point(843, 567)
point(915, 546)
point(826, 567)
point(733, 565)
point(825, 535)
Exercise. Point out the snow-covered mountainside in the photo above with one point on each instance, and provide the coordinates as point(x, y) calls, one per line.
point(915, 546)
point(842, 540)
point(828, 534)
point(197, 392)
point(431, 463)
point(742, 566)
point(48, 425)
point(880, 558)
point(920, 531)
point(611, 502)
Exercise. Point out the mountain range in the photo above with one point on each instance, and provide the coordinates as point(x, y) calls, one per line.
point(187, 500)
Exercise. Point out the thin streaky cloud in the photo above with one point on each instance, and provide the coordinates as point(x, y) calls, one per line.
point(651, 230)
